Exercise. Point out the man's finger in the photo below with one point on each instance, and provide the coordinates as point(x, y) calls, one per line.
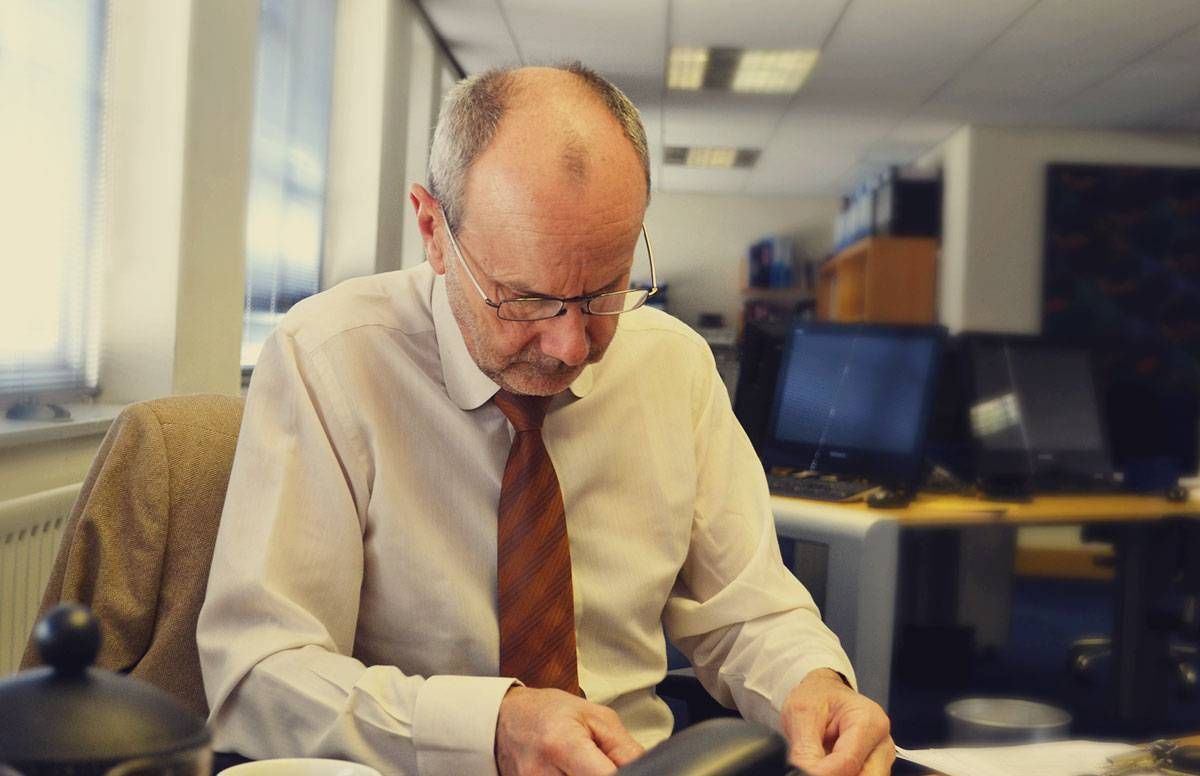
point(856, 742)
point(582, 757)
point(613, 739)
point(833, 765)
point(881, 760)
point(806, 730)
point(848, 759)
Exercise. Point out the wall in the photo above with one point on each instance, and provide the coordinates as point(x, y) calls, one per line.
point(995, 195)
point(700, 243)
point(32, 468)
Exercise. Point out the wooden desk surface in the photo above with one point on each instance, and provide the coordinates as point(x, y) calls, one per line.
point(933, 510)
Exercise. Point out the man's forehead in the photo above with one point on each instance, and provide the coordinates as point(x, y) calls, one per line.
point(553, 257)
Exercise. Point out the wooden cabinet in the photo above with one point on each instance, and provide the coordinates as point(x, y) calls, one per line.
point(880, 280)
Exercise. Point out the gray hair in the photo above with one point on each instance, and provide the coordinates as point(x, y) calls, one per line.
point(471, 113)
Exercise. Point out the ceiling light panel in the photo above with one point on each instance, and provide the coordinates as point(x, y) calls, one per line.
point(773, 71)
point(686, 68)
point(710, 157)
point(754, 71)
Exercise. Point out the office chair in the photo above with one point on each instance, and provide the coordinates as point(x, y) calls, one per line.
point(718, 747)
point(139, 542)
point(1177, 614)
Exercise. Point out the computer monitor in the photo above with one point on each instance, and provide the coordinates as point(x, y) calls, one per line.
point(948, 439)
point(1034, 415)
point(761, 351)
point(853, 400)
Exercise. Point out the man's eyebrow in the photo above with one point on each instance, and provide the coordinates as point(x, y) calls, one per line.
point(523, 291)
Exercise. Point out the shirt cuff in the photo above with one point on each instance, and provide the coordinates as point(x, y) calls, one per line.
point(454, 724)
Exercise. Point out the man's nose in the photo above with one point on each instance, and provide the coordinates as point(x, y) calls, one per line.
point(565, 337)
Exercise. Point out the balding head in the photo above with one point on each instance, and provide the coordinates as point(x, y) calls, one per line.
point(569, 121)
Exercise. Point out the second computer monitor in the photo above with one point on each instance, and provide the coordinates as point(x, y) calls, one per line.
point(853, 400)
point(1035, 414)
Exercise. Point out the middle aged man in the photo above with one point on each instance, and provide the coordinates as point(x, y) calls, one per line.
point(419, 571)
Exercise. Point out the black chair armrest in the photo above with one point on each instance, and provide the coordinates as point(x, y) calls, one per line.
point(718, 747)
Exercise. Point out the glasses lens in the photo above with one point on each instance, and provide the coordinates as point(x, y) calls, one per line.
point(617, 303)
point(528, 309)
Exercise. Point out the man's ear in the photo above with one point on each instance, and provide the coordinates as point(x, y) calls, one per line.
point(429, 223)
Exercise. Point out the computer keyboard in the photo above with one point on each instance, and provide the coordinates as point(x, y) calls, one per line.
point(819, 488)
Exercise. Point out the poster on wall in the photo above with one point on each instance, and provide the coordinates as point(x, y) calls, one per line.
point(1122, 272)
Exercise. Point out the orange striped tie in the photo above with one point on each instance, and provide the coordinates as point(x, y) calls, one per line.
point(533, 558)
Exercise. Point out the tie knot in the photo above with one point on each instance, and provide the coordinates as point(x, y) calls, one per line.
point(524, 412)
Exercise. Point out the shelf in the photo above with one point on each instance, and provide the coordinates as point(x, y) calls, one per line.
point(880, 280)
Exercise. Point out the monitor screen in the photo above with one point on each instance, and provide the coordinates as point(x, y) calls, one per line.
point(1035, 410)
point(854, 400)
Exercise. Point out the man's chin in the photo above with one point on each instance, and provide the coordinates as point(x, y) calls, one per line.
point(527, 380)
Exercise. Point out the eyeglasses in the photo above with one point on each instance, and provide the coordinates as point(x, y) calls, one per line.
point(537, 308)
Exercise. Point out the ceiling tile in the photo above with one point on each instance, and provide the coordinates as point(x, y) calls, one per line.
point(882, 52)
point(1148, 92)
point(813, 149)
point(1062, 46)
point(755, 24)
point(623, 39)
point(474, 31)
point(720, 119)
point(686, 179)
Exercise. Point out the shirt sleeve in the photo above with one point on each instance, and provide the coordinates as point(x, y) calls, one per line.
point(750, 628)
point(276, 632)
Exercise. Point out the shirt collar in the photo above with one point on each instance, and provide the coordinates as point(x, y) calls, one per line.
point(467, 386)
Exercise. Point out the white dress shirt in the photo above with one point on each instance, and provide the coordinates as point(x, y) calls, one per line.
point(351, 606)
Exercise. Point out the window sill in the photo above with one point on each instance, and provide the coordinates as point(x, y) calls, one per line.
point(86, 420)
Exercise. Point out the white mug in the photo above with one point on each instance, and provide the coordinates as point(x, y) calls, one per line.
point(300, 766)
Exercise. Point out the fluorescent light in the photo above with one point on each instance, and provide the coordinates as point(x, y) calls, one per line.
point(711, 157)
point(773, 71)
point(686, 68)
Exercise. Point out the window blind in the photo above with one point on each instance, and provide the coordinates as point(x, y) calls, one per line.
point(50, 90)
point(289, 150)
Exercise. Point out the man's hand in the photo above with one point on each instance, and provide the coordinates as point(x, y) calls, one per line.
point(834, 731)
point(553, 732)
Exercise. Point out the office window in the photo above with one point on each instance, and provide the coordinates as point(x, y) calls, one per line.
point(51, 104)
point(285, 213)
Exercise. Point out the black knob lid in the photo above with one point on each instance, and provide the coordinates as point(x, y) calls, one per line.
point(68, 638)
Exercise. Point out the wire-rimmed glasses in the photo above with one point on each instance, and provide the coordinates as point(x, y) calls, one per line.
point(537, 308)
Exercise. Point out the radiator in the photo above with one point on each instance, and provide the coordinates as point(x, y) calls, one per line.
point(30, 530)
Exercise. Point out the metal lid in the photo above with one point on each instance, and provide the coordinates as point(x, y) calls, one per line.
point(73, 713)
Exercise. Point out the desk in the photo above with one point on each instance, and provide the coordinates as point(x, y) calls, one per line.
point(863, 567)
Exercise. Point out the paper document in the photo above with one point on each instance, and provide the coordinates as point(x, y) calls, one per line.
point(1055, 758)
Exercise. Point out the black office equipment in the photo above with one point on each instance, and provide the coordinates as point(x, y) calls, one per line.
point(949, 453)
point(758, 367)
point(816, 487)
point(852, 402)
point(907, 208)
point(1035, 418)
point(1153, 420)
